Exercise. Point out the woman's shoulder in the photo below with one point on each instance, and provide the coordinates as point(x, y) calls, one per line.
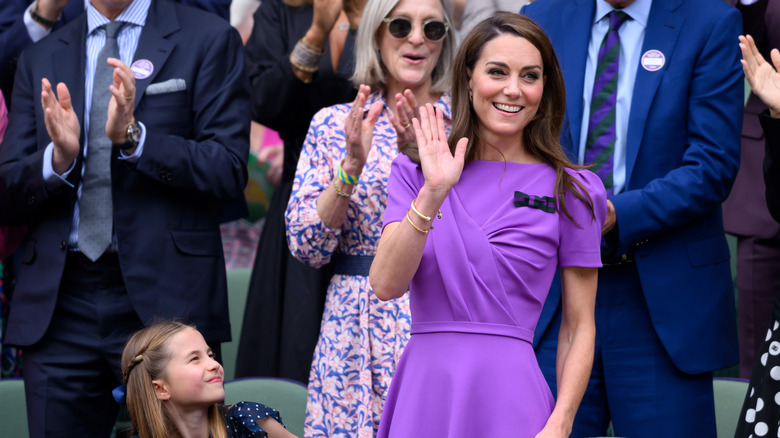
point(589, 180)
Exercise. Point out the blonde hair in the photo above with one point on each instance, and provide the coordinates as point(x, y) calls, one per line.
point(144, 359)
point(370, 70)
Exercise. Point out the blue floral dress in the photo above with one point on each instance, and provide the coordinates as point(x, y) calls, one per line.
point(361, 338)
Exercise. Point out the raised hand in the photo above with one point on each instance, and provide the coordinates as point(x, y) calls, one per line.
point(122, 103)
point(62, 124)
point(359, 132)
point(440, 168)
point(326, 13)
point(401, 118)
point(763, 79)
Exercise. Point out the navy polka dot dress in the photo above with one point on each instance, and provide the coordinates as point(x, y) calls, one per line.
point(241, 419)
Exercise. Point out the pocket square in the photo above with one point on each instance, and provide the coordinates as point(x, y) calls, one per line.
point(169, 86)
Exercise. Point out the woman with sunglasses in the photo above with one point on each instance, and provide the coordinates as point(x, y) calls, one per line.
point(476, 227)
point(403, 55)
point(300, 58)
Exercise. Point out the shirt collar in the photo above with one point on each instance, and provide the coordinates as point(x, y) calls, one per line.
point(135, 13)
point(639, 11)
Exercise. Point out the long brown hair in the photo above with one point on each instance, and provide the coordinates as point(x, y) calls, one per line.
point(143, 360)
point(540, 136)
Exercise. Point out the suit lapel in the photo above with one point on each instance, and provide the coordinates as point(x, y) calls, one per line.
point(663, 29)
point(153, 45)
point(573, 55)
point(73, 42)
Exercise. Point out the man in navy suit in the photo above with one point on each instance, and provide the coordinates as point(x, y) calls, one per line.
point(179, 138)
point(22, 23)
point(665, 304)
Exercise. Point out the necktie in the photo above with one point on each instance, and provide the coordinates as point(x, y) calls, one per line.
point(600, 143)
point(96, 209)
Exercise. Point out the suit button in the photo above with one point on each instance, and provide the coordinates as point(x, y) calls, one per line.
point(63, 245)
point(31, 200)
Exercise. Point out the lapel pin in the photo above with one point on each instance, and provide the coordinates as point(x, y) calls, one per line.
point(142, 68)
point(653, 60)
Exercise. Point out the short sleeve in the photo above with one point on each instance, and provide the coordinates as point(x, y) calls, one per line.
point(241, 419)
point(580, 240)
point(403, 184)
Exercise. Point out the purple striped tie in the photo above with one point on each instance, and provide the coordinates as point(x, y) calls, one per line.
point(600, 143)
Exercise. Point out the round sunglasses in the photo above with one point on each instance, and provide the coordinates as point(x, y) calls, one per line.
point(434, 30)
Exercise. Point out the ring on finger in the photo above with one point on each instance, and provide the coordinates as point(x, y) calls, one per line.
point(128, 98)
point(407, 125)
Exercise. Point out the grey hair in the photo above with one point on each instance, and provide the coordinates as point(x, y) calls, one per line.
point(370, 70)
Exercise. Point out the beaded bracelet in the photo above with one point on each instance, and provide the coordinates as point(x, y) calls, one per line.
point(305, 57)
point(415, 226)
point(424, 217)
point(339, 192)
point(346, 178)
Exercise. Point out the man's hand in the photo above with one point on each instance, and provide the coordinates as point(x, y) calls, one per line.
point(61, 124)
point(611, 219)
point(120, 107)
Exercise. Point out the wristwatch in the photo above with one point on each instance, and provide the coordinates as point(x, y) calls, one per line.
point(133, 136)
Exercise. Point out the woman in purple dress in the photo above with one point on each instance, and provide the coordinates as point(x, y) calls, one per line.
point(509, 209)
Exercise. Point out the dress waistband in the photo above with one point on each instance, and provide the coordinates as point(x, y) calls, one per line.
point(348, 264)
point(479, 328)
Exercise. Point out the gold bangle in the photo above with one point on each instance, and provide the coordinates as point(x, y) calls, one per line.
point(422, 216)
point(339, 192)
point(415, 226)
point(303, 68)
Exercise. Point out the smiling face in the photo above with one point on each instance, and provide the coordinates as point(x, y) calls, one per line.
point(506, 85)
point(192, 378)
point(410, 61)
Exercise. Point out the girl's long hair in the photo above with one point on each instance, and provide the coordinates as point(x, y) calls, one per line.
point(143, 360)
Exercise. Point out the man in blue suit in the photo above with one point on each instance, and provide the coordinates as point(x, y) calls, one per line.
point(665, 305)
point(23, 22)
point(177, 144)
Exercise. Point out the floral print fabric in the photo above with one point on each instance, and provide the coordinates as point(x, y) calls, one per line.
point(361, 338)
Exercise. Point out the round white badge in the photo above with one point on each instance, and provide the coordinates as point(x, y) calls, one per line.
point(142, 68)
point(653, 60)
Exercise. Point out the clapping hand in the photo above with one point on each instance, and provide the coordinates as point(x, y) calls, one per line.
point(440, 168)
point(122, 103)
point(763, 79)
point(359, 132)
point(62, 124)
point(401, 118)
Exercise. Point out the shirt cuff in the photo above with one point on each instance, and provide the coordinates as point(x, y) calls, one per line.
point(51, 180)
point(34, 29)
point(138, 150)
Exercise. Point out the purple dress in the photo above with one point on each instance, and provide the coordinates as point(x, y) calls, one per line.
point(469, 368)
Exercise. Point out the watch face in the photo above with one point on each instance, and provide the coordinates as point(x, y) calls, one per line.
point(134, 133)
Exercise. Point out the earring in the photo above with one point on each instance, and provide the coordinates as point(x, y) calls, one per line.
point(471, 98)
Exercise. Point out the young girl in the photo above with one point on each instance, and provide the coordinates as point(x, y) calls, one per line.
point(174, 389)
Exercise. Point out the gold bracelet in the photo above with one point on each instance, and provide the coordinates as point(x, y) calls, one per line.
point(415, 226)
point(304, 68)
point(424, 217)
point(339, 192)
